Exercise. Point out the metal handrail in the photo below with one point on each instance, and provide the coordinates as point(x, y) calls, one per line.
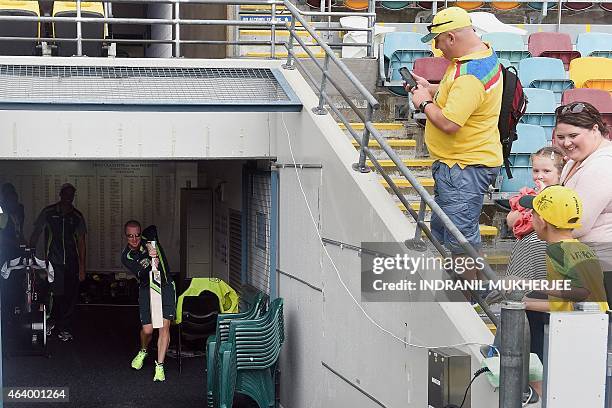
point(370, 130)
point(176, 23)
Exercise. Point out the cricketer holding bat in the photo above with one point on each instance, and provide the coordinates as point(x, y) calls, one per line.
point(138, 257)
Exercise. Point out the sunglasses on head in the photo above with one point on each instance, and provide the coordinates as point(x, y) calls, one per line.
point(429, 27)
point(576, 107)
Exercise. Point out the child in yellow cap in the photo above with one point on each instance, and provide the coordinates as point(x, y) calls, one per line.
point(557, 211)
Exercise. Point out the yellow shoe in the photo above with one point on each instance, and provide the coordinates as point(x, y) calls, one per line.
point(139, 359)
point(159, 372)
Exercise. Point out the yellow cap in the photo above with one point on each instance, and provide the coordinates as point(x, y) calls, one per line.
point(557, 205)
point(448, 19)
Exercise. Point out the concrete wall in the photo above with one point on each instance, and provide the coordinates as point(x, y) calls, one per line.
point(213, 174)
point(324, 326)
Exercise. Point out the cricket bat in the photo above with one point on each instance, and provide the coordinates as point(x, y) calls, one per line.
point(157, 317)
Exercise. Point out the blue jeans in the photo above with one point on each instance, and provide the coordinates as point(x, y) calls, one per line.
point(460, 194)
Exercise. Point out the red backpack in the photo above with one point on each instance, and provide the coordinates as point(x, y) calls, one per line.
point(513, 106)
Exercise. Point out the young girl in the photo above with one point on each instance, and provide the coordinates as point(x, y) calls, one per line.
point(527, 257)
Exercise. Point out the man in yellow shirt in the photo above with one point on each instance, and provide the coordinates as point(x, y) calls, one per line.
point(461, 132)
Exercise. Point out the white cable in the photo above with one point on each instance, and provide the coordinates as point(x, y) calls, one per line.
point(530, 395)
point(297, 174)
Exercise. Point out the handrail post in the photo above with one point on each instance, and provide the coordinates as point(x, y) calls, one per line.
point(511, 355)
point(365, 141)
point(371, 26)
point(421, 218)
point(289, 63)
point(79, 32)
point(273, 32)
point(177, 30)
point(320, 110)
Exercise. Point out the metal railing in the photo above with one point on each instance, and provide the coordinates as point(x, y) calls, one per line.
point(363, 141)
point(176, 22)
point(324, 99)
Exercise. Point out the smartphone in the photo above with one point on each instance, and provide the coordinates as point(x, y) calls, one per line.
point(407, 77)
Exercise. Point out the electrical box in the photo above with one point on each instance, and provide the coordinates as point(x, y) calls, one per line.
point(575, 354)
point(449, 374)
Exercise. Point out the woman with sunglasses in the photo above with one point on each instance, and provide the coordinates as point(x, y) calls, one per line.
point(582, 134)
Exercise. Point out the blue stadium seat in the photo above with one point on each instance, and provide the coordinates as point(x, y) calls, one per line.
point(540, 109)
point(401, 50)
point(538, 5)
point(545, 73)
point(508, 46)
point(505, 62)
point(531, 138)
point(594, 44)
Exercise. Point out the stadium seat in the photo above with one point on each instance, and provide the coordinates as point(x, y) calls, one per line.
point(594, 44)
point(88, 30)
point(530, 139)
point(544, 73)
point(469, 5)
point(427, 5)
point(599, 98)
point(508, 46)
point(505, 5)
point(356, 4)
point(606, 6)
point(553, 45)
point(19, 28)
point(395, 5)
point(506, 63)
point(592, 72)
point(540, 109)
point(431, 68)
point(538, 5)
point(576, 6)
point(400, 50)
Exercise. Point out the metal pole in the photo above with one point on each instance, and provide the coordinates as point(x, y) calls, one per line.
point(289, 63)
point(511, 371)
point(320, 110)
point(365, 141)
point(273, 32)
point(177, 31)
point(78, 29)
point(609, 368)
point(371, 25)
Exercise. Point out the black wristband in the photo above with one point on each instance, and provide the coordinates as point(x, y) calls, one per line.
point(423, 105)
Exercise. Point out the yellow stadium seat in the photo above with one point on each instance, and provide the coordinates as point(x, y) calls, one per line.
point(505, 5)
point(356, 4)
point(89, 9)
point(592, 72)
point(469, 5)
point(19, 28)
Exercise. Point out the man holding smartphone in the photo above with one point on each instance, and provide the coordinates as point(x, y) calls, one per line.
point(461, 131)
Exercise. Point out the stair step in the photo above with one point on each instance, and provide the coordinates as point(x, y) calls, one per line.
point(394, 143)
point(268, 33)
point(485, 231)
point(403, 183)
point(407, 162)
point(261, 54)
point(377, 125)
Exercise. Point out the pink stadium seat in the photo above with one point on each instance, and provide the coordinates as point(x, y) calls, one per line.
point(553, 45)
point(600, 99)
point(431, 68)
point(606, 6)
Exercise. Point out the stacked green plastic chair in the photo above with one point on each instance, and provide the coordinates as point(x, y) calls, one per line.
point(247, 360)
point(221, 334)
